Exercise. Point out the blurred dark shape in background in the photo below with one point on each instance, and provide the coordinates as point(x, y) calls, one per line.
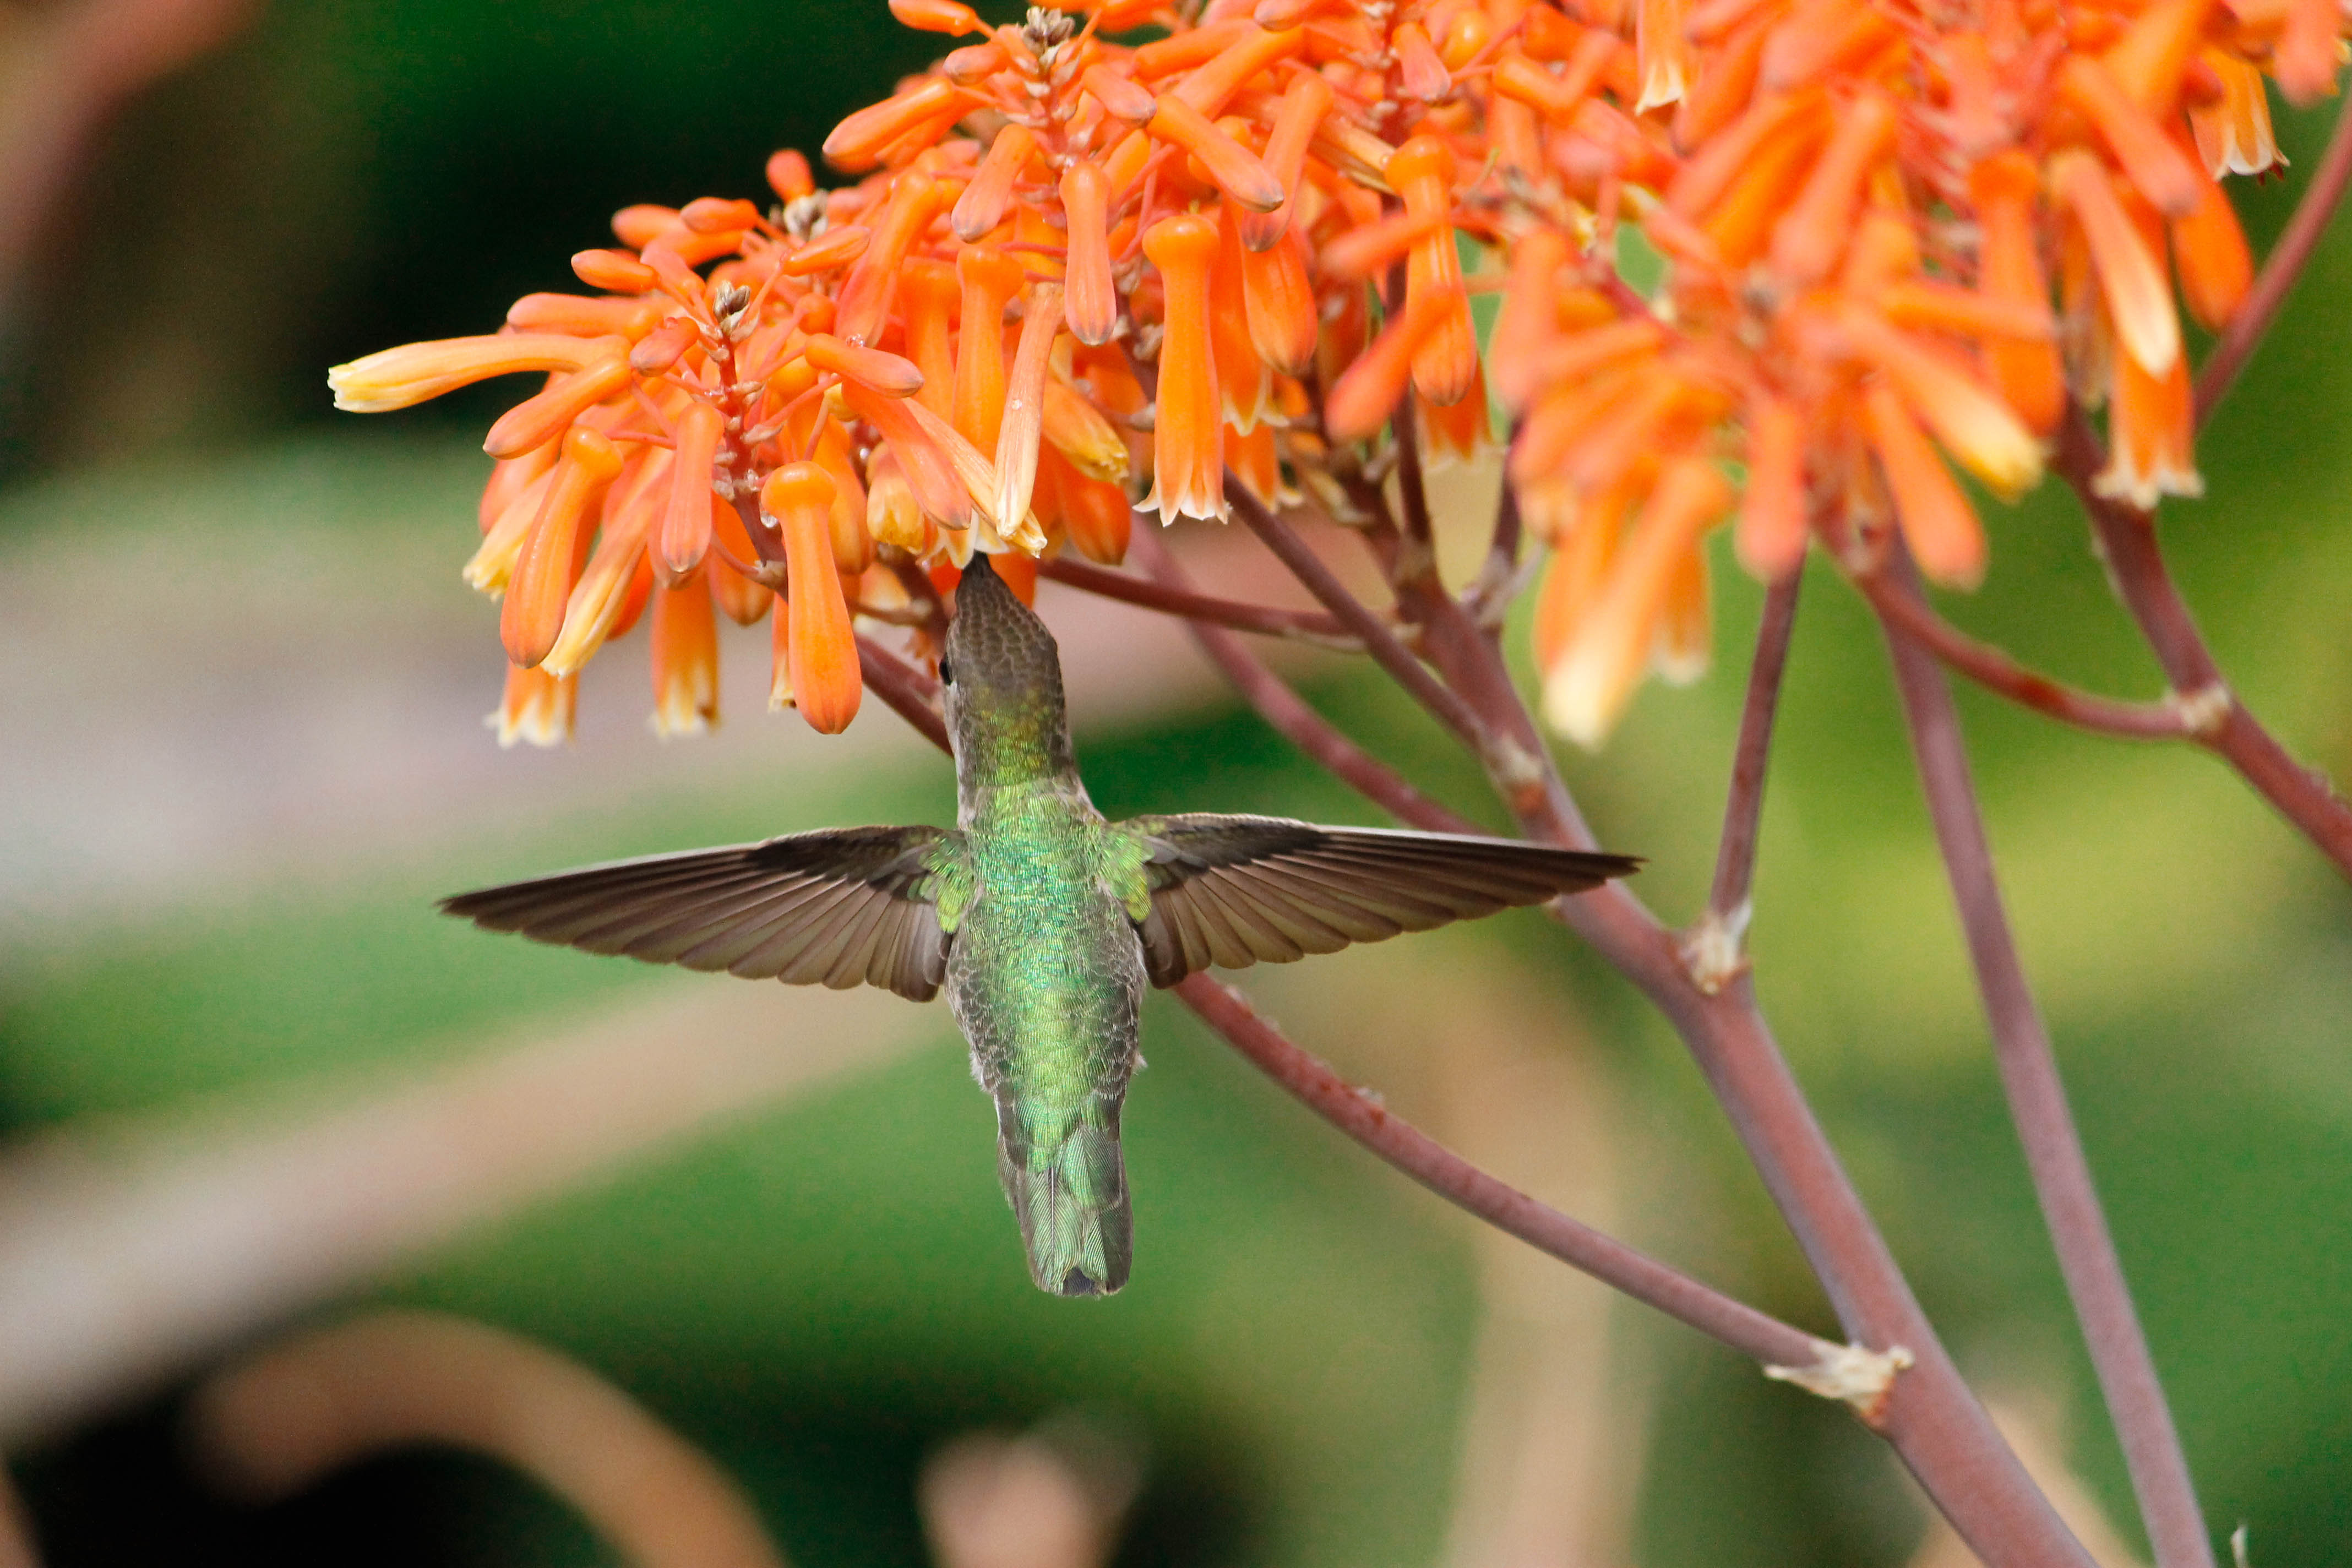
point(345, 175)
point(69, 68)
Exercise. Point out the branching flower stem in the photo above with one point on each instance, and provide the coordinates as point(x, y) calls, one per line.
point(1360, 1116)
point(1304, 626)
point(1929, 1416)
point(1713, 948)
point(1900, 605)
point(2037, 1103)
point(1382, 642)
point(1417, 566)
point(2218, 721)
point(1290, 715)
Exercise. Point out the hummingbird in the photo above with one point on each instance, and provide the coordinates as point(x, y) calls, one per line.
point(1041, 920)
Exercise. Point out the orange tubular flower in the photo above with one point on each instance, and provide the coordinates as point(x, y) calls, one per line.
point(892, 514)
point(1422, 75)
point(416, 372)
point(2152, 431)
point(2155, 167)
point(1024, 404)
point(1187, 438)
point(1119, 98)
point(532, 614)
point(857, 143)
point(1280, 302)
point(1588, 687)
point(664, 345)
point(1529, 318)
point(1304, 104)
point(938, 16)
point(822, 648)
point(2308, 52)
point(1363, 398)
point(583, 317)
point(1368, 249)
point(740, 599)
point(686, 520)
point(1453, 432)
point(1447, 362)
point(1098, 517)
point(2151, 57)
point(991, 278)
point(1975, 425)
point(686, 660)
point(1244, 381)
point(642, 224)
point(601, 598)
point(1772, 528)
point(1572, 578)
point(835, 247)
point(929, 470)
point(1233, 168)
point(1685, 640)
point(537, 707)
point(2235, 135)
point(887, 374)
point(1091, 300)
point(929, 291)
point(864, 299)
point(2010, 270)
point(789, 176)
point(509, 477)
point(1807, 240)
point(977, 474)
point(986, 201)
point(542, 419)
point(1938, 522)
point(615, 271)
point(2139, 299)
point(1518, 79)
point(1665, 54)
point(853, 547)
point(492, 564)
point(2210, 252)
point(1252, 459)
point(1077, 429)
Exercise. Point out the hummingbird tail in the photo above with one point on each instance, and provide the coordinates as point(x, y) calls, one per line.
point(1068, 1183)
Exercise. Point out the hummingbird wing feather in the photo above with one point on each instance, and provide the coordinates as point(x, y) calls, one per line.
point(836, 907)
point(1238, 890)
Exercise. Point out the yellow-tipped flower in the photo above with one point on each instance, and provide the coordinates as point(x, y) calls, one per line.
point(416, 372)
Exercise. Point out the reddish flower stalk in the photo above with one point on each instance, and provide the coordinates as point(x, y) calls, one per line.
point(2053, 1149)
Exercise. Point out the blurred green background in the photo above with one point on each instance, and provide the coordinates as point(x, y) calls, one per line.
point(229, 611)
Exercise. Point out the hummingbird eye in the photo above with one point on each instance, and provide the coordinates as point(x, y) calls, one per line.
point(947, 671)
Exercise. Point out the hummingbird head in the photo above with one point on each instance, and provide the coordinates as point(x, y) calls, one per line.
point(1002, 675)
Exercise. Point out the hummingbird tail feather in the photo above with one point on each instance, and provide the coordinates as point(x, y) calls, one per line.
point(1068, 1183)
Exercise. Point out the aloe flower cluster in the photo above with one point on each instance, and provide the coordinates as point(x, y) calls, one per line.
point(1131, 259)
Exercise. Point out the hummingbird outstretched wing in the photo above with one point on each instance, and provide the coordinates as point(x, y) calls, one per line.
point(840, 908)
point(1236, 891)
